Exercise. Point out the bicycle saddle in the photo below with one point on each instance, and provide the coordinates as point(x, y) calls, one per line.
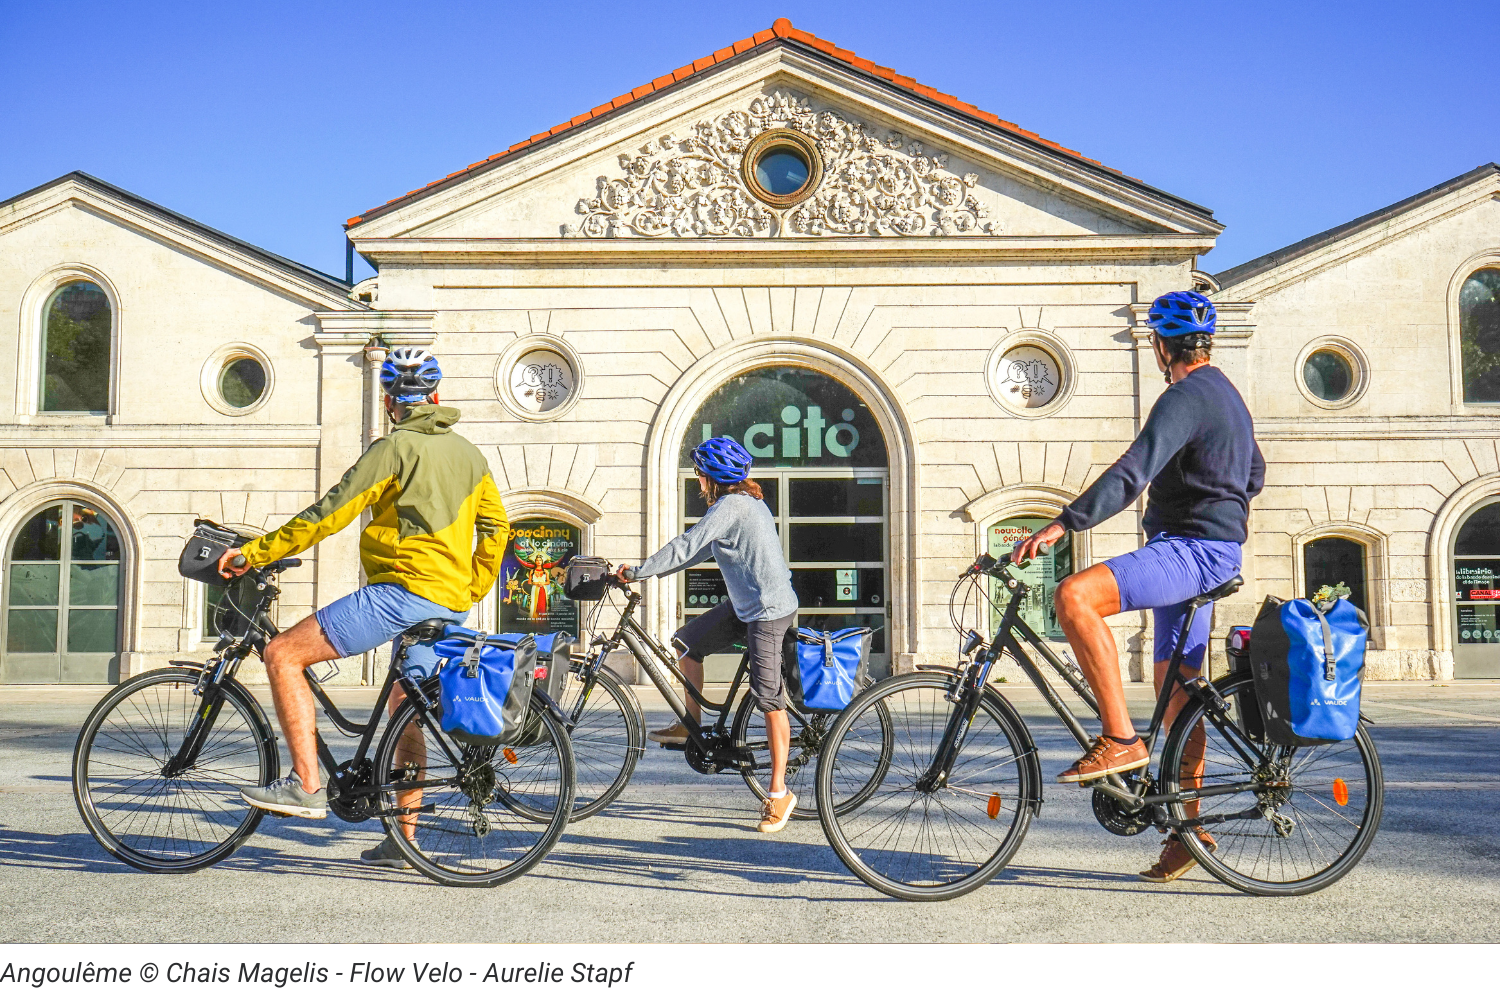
point(432, 628)
point(1224, 589)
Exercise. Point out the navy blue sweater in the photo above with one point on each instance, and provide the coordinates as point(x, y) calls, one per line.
point(1198, 453)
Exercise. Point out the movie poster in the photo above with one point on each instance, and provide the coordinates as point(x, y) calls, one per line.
point(532, 575)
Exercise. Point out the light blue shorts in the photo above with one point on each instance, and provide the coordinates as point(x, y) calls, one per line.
point(377, 614)
point(1170, 571)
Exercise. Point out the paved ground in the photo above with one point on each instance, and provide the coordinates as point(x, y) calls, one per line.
point(677, 859)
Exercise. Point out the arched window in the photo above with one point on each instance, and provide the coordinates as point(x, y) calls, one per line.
point(76, 327)
point(1332, 561)
point(1479, 335)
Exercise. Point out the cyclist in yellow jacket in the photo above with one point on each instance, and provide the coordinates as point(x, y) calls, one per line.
point(429, 492)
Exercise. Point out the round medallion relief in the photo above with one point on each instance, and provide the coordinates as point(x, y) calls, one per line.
point(1027, 377)
point(541, 380)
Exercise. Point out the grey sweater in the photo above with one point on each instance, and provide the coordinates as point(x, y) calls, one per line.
point(739, 534)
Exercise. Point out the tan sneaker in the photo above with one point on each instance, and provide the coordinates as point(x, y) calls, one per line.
point(674, 735)
point(775, 812)
point(1105, 756)
point(1175, 860)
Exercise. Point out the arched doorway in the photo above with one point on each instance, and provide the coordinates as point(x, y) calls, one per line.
point(1476, 593)
point(822, 463)
point(62, 598)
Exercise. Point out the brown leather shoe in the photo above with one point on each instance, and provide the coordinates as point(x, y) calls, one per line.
point(775, 812)
point(1105, 756)
point(1175, 859)
point(674, 735)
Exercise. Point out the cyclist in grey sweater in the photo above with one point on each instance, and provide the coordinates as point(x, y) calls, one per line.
point(739, 534)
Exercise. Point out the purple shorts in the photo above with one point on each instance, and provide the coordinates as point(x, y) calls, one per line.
point(1164, 576)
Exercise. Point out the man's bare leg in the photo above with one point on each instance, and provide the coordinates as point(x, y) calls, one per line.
point(1083, 601)
point(411, 748)
point(1191, 774)
point(286, 657)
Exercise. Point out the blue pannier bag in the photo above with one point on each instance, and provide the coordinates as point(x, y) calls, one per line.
point(1307, 662)
point(824, 670)
point(485, 683)
point(554, 658)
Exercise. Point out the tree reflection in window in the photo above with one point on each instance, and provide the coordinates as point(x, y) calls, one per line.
point(1479, 335)
point(75, 349)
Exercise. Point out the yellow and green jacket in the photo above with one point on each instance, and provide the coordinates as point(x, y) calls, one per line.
point(429, 491)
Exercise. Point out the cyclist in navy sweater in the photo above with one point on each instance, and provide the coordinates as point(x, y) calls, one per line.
point(1198, 454)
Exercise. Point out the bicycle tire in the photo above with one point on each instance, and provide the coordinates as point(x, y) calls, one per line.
point(1281, 864)
point(607, 734)
point(809, 734)
point(462, 844)
point(872, 839)
point(184, 823)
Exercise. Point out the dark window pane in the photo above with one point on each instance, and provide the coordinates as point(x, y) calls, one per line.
point(832, 623)
point(1479, 336)
point(1480, 535)
point(789, 418)
point(91, 631)
point(1331, 561)
point(212, 610)
point(1476, 623)
point(93, 584)
point(93, 536)
point(835, 498)
point(31, 632)
point(75, 353)
point(836, 542)
point(1327, 375)
point(38, 537)
point(242, 381)
point(696, 506)
point(781, 171)
point(34, 584)
point(839, 588)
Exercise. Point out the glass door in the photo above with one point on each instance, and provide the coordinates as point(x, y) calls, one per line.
point(1476, 591)
point(62, 599)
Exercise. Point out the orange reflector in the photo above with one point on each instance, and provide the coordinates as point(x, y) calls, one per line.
point(994, 807)
point(510, 755)
point(1340, 792)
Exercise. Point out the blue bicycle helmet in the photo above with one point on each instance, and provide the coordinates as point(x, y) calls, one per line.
point(1180, 314)
point(723, 459)
point(410, 375)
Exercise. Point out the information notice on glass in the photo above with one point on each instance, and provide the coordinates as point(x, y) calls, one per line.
point(532, 576)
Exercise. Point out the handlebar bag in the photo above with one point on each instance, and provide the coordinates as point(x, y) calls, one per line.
point(485, 683)
point(1308, 662)
point(824, 669)
point(200, 556)
point(588, 578)
point(554, 658)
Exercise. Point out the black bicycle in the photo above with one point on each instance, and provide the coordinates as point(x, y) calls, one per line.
point(608, 727)
point(957, 794)
point(159, 763)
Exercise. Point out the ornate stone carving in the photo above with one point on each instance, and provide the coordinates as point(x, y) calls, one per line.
point(872, 186)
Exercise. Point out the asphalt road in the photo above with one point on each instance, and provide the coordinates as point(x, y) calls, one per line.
point(677, 859)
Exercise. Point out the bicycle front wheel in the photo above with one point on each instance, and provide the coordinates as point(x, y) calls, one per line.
point(903, 838)
point(607, 731)
point(485, 814)
point(159, 816)
point(1303, 832)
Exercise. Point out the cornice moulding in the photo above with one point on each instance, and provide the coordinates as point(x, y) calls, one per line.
point(339, 326)
point(228, 435)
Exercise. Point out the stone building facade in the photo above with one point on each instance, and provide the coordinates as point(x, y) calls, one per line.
point(928, 323)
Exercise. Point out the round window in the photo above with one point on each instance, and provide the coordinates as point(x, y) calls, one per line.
point(541, 380)
point(242, 381)
point(782, 167)
point(1328, 375)
point(782, 171)
point(1028, 377)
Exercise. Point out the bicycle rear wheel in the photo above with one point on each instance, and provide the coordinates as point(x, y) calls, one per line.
point(925, 845)
point(607, 734)
point(483, 819)
point(1300, 837)
point(193, 818)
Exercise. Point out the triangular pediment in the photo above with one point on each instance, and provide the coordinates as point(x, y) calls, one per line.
point(893, 163)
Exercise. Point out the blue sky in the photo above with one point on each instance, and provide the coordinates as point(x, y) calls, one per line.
point(277, 121)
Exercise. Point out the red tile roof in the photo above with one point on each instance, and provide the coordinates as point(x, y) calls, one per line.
point(780, 32)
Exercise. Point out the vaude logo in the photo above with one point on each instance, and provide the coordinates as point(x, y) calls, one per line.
point(203, 552)
point(1331, 701)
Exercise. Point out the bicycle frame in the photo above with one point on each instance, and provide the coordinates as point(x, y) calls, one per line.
point(1013, 636)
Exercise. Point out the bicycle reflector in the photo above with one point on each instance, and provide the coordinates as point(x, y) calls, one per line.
point(1340, 792)
point(510, 755)
point(993, 809)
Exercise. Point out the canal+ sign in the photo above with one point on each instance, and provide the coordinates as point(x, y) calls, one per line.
point(790, 417)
